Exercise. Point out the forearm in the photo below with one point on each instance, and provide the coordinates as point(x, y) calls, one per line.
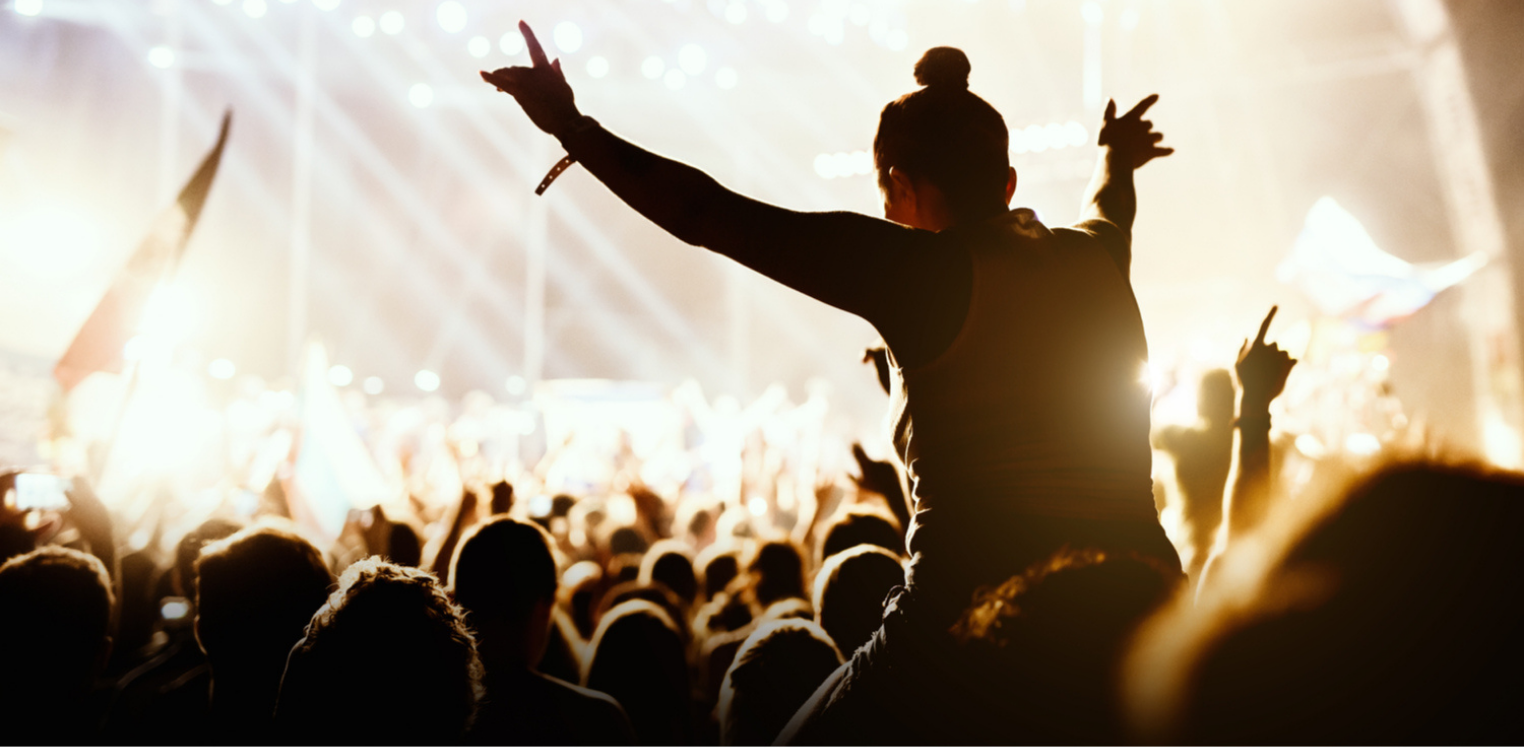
point(682, 200)
point(1250, 497)
point(1111, 195)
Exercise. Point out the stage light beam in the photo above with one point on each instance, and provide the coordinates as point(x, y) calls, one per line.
point(479, 46)
point(363, 26)
point(29, 7)
point(255, 8)
point(597, 67)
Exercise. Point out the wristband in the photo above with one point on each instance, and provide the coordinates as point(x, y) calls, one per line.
point(583, 124)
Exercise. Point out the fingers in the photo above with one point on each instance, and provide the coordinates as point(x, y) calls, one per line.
point(1265, 326)
point(1162, 152)
point(536, 52)
point(1137, 111)
point(1111, 109)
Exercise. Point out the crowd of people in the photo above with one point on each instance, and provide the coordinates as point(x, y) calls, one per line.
point(1003, 578)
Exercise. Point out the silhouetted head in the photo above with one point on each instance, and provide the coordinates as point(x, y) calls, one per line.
point(1053, 640)
point(581, 590)
point(256, 591)
point(402, 545)
point(777, 572)
point(504, 575)
point(850, 590)
point(637, 657)
point(388, 659)
point(1393, 617)
point(860, 525)
point(189, 549)
point(656, 593)
point(942, 152)
point(55, 631)
point(718, 564)
point(627, 540)
point(775, 671)
point(670, 563)
point(1214, 401)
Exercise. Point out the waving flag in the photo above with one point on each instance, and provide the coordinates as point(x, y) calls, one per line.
point(1338, 267)
point(100, 342)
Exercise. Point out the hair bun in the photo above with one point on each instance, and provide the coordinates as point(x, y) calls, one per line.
point(943, 67)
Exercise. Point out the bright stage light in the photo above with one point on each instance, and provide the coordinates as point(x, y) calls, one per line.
point(392, 22)
point(479, 46)
point(161, 57)
point(735, 13)
point(255, 8)
point(1036, 142)
point(221, 369)
point(29, 7)
point(1130, 18)
point(777, 11)
point(653, 67)
point(420, 95)
point(568, 36)
point(1055, 136)
point(451, 16)
point(1380, 362)
point(373, 385)
point(675, 79)
point(860, 14)
point(169, 315)
point(426, 380)
point(222, 2)
point(515, 385)
point(725, 78)
point(340, 375)
point(363, 26)
point(1075, 134)
point(597, 67)
point(326, 4)
point(1092, 12)
point(896, 39)
point(862, 162)
point(757, 505)
point(1362, 444)
point(691, 59)
point(512, 43)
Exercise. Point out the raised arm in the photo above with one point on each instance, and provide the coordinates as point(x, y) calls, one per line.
point(864, 265)
point(1127, 143)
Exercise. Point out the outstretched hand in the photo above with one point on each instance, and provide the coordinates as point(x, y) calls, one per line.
point(1262, 369)
point(540, 89)
point(1130, 136)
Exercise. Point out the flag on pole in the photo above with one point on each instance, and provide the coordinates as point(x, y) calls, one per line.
point(99, 344)
point(334, 470)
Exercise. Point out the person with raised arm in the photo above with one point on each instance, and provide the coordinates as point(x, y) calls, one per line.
point(1015, 350)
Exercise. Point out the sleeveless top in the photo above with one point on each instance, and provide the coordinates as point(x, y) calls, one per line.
point(1038, 408)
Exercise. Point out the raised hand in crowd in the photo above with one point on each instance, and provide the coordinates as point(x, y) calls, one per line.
point(541, 88)
point(1262, 370)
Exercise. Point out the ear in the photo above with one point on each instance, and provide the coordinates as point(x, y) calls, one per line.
point(902, 188)
point(1010, 184)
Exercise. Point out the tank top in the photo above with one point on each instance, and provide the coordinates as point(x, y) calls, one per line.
point(1038, 407)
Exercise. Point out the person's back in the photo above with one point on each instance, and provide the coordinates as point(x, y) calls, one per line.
point(388, 659)
point(1393, 618)
point(638, 658)
point(55, 636)
point(777, 668)
point(255, 593)
point(850, 590)
point(504, 575)
point(1036, 410)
